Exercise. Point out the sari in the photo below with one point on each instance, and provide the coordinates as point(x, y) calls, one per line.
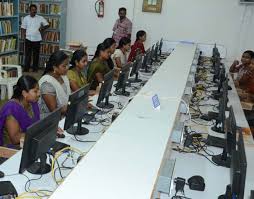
point(17, 111)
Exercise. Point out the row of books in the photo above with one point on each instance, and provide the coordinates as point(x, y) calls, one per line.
point(41, 8)
point(6, 8)
point(51, 36)
point(42, 60)
point(5, 27)
point(54, 23)
point(7, 45)
point(11, 59)
point(48, 49)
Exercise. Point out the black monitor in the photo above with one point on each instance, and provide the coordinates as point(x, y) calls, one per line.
point(146, 61)
point(220, 121)
point(152, 55)
point(76, 110)
point(105, 91)
point(156, 53)
point(122, 80)
point(135, 69)
point(224, 159)
point(238, 169)
point(160, 47)
point(39, 139)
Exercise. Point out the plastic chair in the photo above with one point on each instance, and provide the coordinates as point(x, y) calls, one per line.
point(7, 83)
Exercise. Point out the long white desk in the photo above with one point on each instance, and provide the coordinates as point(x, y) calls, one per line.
point(125, 161)
point(216, 178)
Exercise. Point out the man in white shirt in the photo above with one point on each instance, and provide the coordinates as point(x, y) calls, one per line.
point(32, 26)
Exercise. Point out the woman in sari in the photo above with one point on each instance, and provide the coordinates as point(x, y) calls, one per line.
point(20, 112)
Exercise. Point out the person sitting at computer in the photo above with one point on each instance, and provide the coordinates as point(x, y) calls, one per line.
point(111, 44)
point(120, 55)
point(75, 73)
point(241, 68)
point(54, 84)
point(20, 112)
point(246, 80)
point(138, 46)
point(99, 66)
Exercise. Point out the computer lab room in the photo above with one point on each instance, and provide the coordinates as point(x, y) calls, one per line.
point(126, 99)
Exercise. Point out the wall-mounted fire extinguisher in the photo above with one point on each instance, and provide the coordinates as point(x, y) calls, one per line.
point(99, 8)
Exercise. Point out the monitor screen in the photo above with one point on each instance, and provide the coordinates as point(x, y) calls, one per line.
point(39, 139)
point(77, 107)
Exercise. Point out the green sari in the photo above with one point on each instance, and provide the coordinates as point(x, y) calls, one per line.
point(96, 66)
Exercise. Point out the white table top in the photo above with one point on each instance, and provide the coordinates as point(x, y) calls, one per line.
point(126, 160)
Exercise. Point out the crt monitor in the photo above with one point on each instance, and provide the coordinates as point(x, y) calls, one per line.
point(76, 110)
point(122, 80)
point(39, 139)
point(105, 90)
point(135, 69)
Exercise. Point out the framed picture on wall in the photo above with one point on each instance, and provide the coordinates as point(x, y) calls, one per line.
point(152, 6)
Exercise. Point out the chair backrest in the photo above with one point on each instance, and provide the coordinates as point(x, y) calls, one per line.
point(10, 71)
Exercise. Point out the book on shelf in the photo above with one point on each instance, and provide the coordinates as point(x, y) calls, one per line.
point(43, 61)
point(54, 23)
point(8, 44)
point(42, 8)
point(24, 7)
point(10, 59)
point(48, 49)
point(6, 8)
point(5, 27)
point(51, 36)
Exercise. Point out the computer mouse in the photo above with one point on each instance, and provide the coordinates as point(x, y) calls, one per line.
point(1, 174)
point(197, 183)
point(60, 135)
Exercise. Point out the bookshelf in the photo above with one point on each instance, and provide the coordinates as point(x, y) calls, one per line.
point(9, 31)
point(54, 38)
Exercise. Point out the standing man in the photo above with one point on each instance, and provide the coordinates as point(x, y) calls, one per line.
point(122, 27)
point(32, 27)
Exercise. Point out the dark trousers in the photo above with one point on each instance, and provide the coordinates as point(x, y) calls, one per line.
point(32, 48)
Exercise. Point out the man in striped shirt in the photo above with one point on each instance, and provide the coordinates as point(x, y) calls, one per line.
point(122, 27)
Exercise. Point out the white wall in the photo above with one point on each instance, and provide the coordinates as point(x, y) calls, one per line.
point(84, 25)
point(222, 21)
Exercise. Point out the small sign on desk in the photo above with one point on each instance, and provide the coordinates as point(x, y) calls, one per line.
point(156, 102)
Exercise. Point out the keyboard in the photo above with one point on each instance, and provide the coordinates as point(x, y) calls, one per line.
point(215, 141)
point(58, 146)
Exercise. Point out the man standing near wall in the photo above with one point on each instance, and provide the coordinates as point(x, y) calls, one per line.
point(32, 27)
point(122, 27)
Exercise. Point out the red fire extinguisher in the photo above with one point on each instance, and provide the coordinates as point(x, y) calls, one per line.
point(99, 8)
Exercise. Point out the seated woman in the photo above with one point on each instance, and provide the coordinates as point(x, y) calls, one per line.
point(138, 46)
point(120, 55)
point(74, 74)
point(54, 84)
point(236, 67)
point(78, 63)
point(20, 112)
point(111, 44)
point(98, 67)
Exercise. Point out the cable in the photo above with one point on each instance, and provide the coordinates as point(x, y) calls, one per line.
point(57, 155)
